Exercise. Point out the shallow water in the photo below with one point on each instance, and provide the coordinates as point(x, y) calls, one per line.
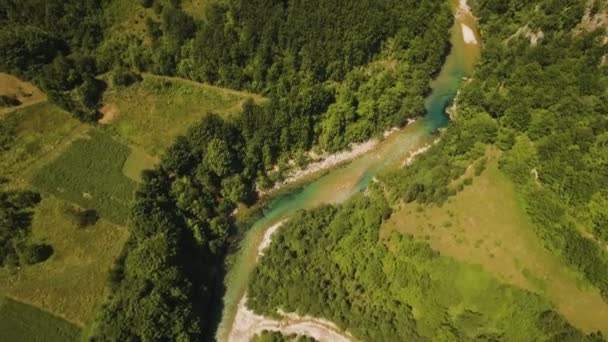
point(341, 183)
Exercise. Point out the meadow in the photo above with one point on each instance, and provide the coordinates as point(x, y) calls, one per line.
point(22, 322)
point(152, 113)
point(89, 173)
point(25, 92)
point(35, 135)
point(72, 282)
point(486, 224)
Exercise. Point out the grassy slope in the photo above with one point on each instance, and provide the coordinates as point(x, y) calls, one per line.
point(43, 131)
point(22, 322)
point(486, 224)
point(27, 93)
point(151, 114)
point(71, 283)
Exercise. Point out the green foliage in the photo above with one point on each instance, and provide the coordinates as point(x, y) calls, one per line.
point(34, 253)
point(22, 322)
point(598, 209)
point(8, 125)
point(164, 284)
point(82, 218)
point(89, 173)
point(331, 263)
point(15, 223)
point(275, 336)
point(428, 178)
point(36, 35)
point(24, 49)
point(124, 77)
point(520, 160)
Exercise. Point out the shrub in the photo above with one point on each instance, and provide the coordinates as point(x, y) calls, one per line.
point(35, 253)
point(8, 101)
point(124, 77)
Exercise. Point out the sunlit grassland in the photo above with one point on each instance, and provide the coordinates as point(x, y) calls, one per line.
point(196, 8)
point(152, 113)
point(486, 224)
point(22, 322)
point(41, 132)
point(25, 92)
point(71, 283)
point(89, 173)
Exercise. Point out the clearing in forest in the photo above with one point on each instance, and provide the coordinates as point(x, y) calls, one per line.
point(152, 113)
point(486, 224)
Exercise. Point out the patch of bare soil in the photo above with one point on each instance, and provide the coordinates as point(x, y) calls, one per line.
point(109, 112)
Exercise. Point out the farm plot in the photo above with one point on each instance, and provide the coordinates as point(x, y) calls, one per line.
point(89, 173)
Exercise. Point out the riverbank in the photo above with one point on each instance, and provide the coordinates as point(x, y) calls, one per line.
point(328, 161)
point(247, 324)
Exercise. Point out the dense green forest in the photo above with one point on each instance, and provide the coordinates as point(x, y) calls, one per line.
point(331, 263)
point(545, 105)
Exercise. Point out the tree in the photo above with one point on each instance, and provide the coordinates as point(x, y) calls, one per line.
point(218, 157)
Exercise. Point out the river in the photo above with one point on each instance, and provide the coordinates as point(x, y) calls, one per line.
point(342, 182)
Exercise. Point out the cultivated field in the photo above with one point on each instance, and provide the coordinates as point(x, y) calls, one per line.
point(485, 224)
point(152, 113)
point(89, 173)
point(22, 322)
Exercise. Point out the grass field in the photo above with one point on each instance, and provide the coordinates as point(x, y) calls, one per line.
point(25, 92)
point(138, 161)
point(486, 224)
point(71, 283)
point(196, 8)
point(152, 113)
point(40, 132)
point(89, 173)
point(22, 322)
